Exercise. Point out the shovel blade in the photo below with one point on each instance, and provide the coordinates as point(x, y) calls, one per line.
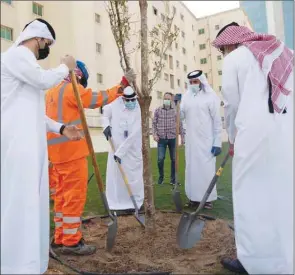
point(140, 219)
point(189, 230)
point(112, 233)
point(177, 200)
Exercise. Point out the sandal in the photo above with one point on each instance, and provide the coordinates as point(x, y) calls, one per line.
point(192, 204)
point(208, 205)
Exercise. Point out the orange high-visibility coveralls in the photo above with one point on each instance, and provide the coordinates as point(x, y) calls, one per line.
point(69, 172)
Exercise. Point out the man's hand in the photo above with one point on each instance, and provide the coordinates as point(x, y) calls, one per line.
point(216, 151)
point(231, 150)
point(69, 61)
point(156, 139)
point(72, 132)
point(107, 132)
point(177, 98)
point(117, 159)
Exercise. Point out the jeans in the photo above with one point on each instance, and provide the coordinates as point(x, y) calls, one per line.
point(162, 145)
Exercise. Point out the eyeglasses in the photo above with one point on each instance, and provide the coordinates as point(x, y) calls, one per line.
point(132, 99)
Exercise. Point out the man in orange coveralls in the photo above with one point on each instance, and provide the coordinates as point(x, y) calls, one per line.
point(69, 170)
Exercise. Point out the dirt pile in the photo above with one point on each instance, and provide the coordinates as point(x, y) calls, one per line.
point(136, 252)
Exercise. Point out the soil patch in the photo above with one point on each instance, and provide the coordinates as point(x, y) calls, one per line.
point(135, 251)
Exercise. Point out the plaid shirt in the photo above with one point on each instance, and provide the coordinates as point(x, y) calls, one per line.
point(164, 123)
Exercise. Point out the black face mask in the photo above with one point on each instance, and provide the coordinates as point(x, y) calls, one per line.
point(43, 53)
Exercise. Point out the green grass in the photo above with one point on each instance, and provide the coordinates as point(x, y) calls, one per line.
point(163, 198)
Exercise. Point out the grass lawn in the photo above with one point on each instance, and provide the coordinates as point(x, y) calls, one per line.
point(163, 198)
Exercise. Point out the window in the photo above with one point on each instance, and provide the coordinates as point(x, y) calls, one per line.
point(183, 34)
point(97, 18)
point(159, 95)
point(202, 46)
point(194, 43)
point(178, 82)
point(6, 33)
point(183, 50)
point(172, 81)
point(201, 31)
point(176, 45)
point(194, 58)
point(182, 17)
point(177, 64)
point(171, 62)
point(98, 47)
point(162, 17)
point(174, 10)
point(185, 85)
point(203, 61)
point(219, 57)
point(219, 72)
point(99, 78)
point(155, 11)
point(37, 9)
point(166, 76)
point(193, 27)
point(206, 75)
point(185, 68)
point(217, 27)
point(165, 56)
point(6, 1)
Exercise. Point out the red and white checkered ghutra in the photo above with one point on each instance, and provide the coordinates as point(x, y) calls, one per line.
point(263, 45)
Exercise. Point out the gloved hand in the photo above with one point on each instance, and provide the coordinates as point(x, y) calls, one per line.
point(231, 150)
point(216, 151)
point(177, 98)
point(107, 132)
point(117, 159)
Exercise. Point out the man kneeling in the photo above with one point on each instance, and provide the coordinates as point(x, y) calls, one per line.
point(122, 123)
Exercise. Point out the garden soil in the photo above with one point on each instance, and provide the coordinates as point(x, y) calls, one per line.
point(135, 251)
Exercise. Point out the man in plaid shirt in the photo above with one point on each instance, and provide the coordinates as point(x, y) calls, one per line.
point(164, 132)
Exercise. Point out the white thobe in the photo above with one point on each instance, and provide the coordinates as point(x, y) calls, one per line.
point(201, 113)
point(24, 162)
point(129, 150)
point(262, 167)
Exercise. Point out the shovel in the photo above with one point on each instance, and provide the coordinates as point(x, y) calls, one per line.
point(190, 226)
point(139, 218)
point(112, 225)
point(175, 192)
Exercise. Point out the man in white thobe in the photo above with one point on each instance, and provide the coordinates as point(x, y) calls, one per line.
point(200, 108)
point(257, 87)
point(24, 161)
point(122, 123)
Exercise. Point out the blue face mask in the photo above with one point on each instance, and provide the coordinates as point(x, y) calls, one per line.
point(130, 105)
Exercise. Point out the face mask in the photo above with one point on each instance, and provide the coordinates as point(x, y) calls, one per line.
point(195, 88)
point(43, 53)
point(130, 105)
point(167, 102)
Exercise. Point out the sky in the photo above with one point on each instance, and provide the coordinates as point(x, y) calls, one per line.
point(205, 8)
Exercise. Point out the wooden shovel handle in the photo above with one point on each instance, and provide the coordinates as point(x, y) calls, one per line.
point(177, 137)
point(86, 132)
point(121, 169)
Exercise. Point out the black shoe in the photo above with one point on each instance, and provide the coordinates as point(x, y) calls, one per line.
point(80, 249)
point(55, 246)
point(160, 181)
point(233, 265)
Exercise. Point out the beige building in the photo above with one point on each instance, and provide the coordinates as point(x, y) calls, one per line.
point(83, 30)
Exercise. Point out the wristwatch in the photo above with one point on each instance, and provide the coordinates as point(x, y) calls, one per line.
point(62, 129)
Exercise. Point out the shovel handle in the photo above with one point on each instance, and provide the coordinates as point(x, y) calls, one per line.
point(121, 170)
point(212, 184)
point(86, 132)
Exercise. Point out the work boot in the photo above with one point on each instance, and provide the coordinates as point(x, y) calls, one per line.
point(55, 246)
point(233, 265)
point(80, 249)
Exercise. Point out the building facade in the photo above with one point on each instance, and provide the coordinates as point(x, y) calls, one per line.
point(274, 17)
point(83, 30)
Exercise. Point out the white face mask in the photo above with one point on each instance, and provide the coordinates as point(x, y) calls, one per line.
point(195, 88)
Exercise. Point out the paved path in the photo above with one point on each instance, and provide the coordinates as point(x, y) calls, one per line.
point(101, 145)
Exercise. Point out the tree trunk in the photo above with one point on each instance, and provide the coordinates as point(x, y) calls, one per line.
point(145, 102)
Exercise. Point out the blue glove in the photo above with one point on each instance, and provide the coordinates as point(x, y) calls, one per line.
point(177, 98)
point(216, 151)
point(117, 159)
